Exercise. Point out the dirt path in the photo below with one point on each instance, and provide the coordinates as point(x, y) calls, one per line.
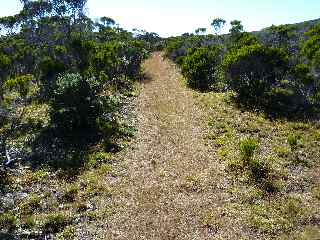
point(167, 182)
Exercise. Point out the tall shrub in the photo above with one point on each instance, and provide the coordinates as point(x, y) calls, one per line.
point(252, 71)
point(199, 66)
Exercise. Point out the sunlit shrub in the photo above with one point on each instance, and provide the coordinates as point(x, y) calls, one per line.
point(253, 71)
point(199, 66)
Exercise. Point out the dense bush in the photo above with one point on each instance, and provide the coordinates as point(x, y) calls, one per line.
point(75, 67)
point(274, 70)
point(282, 36)
point(75, 103)
point(21, 84)
point(264, 68)
point(241, 40)
point(177, 47)
point(4, 69)
point(253, 71)
point(153, 40)
point(311, 50)
point(199, 66)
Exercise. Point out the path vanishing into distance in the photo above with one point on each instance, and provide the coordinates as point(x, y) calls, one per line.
point(168, 180)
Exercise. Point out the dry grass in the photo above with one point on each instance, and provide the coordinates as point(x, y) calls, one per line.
point(291, 152)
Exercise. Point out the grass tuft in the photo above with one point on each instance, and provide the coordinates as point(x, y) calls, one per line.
point(8, 222)
point(55, 222)
point(247, 148)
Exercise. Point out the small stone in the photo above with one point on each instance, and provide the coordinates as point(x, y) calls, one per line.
point(7, 202)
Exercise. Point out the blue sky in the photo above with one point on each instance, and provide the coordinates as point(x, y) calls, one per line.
point(174, 17)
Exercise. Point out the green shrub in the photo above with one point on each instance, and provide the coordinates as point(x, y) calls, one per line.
point(98, 158)
point(262, 174)
point(316, 135)
point(311, 47)
point(49, 69)
point(8, 221)
point(281, 36)
point(40, 176)
point(21, 84)
point(241, 40)
point(74, 103)
point(105, 169)
point(4, 177)
point(283, 98)
point(247, 148)
point(70, 193)
point(270, 185)
point(173, 47)
point(120, 62)
point(5, 63)
point(199, 66)
point(34, 201)
point(253, 71)
point(81, 206)
point(107, 128)
point(281, 151)
point(259, 170)
point(55, 222)
point(306, 87)
point(282, 215)
point(316, 192)
point(69, 233)
point(180, 60)
point(302, 74)
point(293, 141)
point(311, 50)
point(29, 222)
point(30, 205)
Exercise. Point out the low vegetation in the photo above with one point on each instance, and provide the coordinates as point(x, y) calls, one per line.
point(271, 167)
